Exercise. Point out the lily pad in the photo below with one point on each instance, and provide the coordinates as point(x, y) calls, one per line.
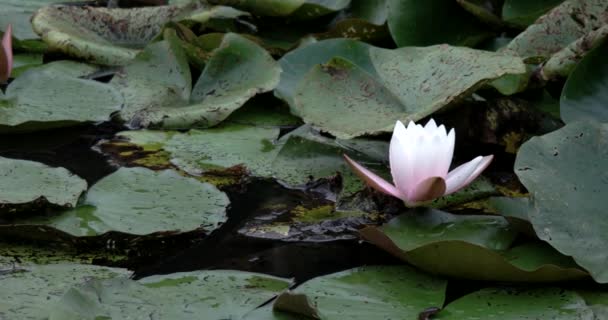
point(303, 9)
point(43, 98)
point(423, 23)
point(237, 70)
point(585, 94)
point(565, 172)
point(18, 13)
point(374, 292)
point(29, 186)
point(141, 201)
point(30, 291)
point(346, 100)
point(523, 13)
point(472, 247)
point(557, 29)
point(518, 304)
point(110, 36)
point(214, 295)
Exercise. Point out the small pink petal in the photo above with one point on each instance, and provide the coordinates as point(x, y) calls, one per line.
point(428, 189)
point(372, 179)
point(6, 55)
point(485, 162)
point(456, 178)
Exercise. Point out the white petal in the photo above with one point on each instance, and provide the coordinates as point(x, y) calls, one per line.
point(373, 180)
point(485, 162)
point(456, 178)
point(446, 154)
point(401, 157)
point(431, 126)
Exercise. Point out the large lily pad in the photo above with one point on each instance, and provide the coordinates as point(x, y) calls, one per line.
point(213, 295)
point(44, 98)
point(585, 95)
point(473, 247)
point(376, 292)
point(346, 100)
point(28, 185)
point(423, 23)
point(518, 304)
point(303, 9)
point(112, 36)
point(563, 25)
point(565, 172)
point(18, 13)
point(141, 201)
point(523, 13)
point(237, 70)
point(30, 291)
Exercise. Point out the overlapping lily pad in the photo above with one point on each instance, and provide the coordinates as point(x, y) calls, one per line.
point(523, 13)
point(213, 295)
point(302, 9)
point(472, 247)
point(585, 95)
point(563, 25)
point(45, 98)
point(113, 36)
point(18, 14)
point(374, 292)
point(385, 85)
point(565, 172)
point(237, 70)
point(140, 201)
point(30, 186)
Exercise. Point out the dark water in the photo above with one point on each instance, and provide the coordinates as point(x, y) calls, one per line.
point(71, 148)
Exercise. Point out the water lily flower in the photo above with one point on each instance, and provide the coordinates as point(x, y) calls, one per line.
point(6, 55)
point(420, 159)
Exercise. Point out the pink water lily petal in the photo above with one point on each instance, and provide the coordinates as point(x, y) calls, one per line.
point(6, 55)
point(401, 158)
point(483, 164)
point(458, 177)
point(372, 179)
point(428, 189)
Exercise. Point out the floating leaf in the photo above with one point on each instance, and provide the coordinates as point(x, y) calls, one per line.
point(416, 23)
point(410, 83)
point(140, 201)
point(237, 70)
point(585, 95)
point(18, 13)
point(472, 247)
point(517, 304)
point(214, 295)
point(565, 172)
point(30, 186)
point(43, 98)
point(303, 9)
point(375, 292)
point(523, 13)
point(560, 27)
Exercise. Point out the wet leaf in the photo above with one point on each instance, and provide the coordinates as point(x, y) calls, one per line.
point(585, 94)
point(140, 201)
point(517, 304)
point(347, 100)
point(302, 9)
point(374, 292)
point(565, 174)
point(415, 23)
point(30, 186)
point(214, 295)
point(45, 98)
point(237, 70)
point(523, 13)
point(18, 14)
point(472, 247)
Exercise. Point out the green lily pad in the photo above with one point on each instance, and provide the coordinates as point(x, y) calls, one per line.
point(30, 291)
point(375, 12)
point(472, 247)
point(523, 13)
point(585, 94)
point(237, 70)
point(25, 61)
point(140, 201)
point(565, 172)
point(18, 13)
point(43, 98)
point(213, 295)
point(30, 186)
point(560, 27)
point(303, 9)
point(416, 23)
point(374, 292)
point(111, 36)
point(483, 10)
point(518, 304)
point(410, 83)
